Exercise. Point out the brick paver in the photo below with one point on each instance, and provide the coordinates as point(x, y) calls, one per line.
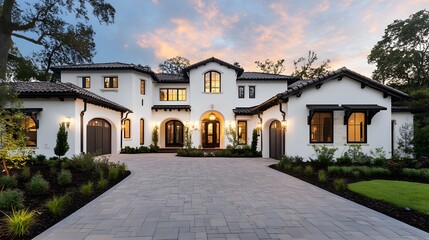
point(216, 198)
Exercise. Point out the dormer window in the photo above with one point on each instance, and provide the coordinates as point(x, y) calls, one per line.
point(212, 82)
point(110, 82)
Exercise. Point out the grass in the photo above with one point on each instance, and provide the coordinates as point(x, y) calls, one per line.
point(56, 205)
point(400, 193)
point(86, 189)
point(19, 222)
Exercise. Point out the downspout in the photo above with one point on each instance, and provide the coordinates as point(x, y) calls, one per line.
point(283, 130)
point(122, 122)
point(81, 125)
point(260, 120)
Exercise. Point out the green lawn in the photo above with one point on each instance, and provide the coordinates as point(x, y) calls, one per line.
point(403, 194)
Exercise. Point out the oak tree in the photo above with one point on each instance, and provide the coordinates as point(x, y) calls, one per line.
point(174, 65)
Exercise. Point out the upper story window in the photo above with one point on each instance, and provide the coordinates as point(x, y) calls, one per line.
point(142, 87)
point(127, 128)
point(240, 91)
point(110, 82)
point(356, 128)
point(86, 82)
point(212, 82)
point(321, 127)
point(252, 91)
point(172, 94)
point(242, 132)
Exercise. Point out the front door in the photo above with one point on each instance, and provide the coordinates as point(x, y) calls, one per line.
point(276, 140)
point(98, 138)
point(211, 134)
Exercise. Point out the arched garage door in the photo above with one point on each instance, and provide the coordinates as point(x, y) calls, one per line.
point(276, 140)
point(99, 136)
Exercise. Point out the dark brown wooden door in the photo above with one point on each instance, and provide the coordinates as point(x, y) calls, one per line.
point(276, 140)
point(99, 136)
point(211, 134)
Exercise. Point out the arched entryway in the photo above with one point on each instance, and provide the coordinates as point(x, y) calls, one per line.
point(99, 136)
point(174, 133)
point(276, 140)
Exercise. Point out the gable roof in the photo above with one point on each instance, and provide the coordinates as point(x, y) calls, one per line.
point(171, 78)
point(105, 66)
point(303, 85)
point(63, 90)
point(249, 76)
point(238, 70)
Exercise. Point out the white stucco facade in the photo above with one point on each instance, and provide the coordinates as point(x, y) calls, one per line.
point(210, 111)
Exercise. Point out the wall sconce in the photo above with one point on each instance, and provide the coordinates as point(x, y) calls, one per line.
point(212, 116)
point(122, 126)
point(284, 124)
point(67, 121)
point(259, 126)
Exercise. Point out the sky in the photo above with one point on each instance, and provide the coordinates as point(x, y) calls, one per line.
point(148, 32)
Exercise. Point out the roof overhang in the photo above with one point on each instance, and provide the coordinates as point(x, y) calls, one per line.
point(369, 109)
point(171, 107)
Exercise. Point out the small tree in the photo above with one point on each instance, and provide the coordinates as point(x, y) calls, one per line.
point(189, 129)
point(231, 134)
point(272, 67)
point(155, 136)
point(62, 145)
point(254, 144)
point(405, 139)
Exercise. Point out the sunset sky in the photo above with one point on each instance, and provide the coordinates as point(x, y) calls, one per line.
point(149, 31)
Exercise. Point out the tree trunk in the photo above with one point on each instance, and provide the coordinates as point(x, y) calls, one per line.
point(5, 167)
point(6, 43)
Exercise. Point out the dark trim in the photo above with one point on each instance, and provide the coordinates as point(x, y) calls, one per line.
point(244, 90)
point(174, 144)
point(211, 80)
point(370, 110)
point(171, 107)
point(111, 85)
point(238, 70)
point(332, 127)
point(144, 87)
point(254, 91)
point(245, 140)
point(365, 127)
point(141, 131)
point(82, 114)
point(127, 134)
point(84, 81)
point(177, 94)
point(321, 108)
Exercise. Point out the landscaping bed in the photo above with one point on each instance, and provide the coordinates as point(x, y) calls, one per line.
point(68, 184)
point(332, 183)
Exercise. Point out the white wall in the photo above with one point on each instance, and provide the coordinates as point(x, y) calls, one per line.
point(264, 90)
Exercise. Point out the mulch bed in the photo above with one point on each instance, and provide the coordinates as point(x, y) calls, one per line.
point(411, 217)
point(44, 218)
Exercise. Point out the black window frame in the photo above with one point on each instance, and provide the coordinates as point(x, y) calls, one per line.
point(254, 92)
point(141, 131)
point(332, 127)
point(127, 131)
point(175, 123)
point(365, 127)
point(211, 82)
point(177, 94)
point(245, 132)
point(241, 90)
point(28, 132)
point(111, 84)
point(142, 87)
point(84, 81)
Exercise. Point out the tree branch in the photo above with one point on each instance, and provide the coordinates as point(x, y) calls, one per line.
point(38, 41)
point(34, 20)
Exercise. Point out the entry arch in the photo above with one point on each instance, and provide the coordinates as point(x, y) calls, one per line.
point(99, 136)
point(276, 139)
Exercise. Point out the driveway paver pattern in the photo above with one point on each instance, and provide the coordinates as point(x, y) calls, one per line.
point(168, 197)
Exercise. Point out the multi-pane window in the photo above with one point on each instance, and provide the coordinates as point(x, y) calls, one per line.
point(110, 82)
point(172, 94)
point(242, 132)
point(86, 82)
point(142, 87)
point(356, 128)
point(212, 82)
point(127, 128)
point(240, 91)
point(321, 127)
point(31, 127)
point(252, 91)
point(141, 131)
point(173, 134)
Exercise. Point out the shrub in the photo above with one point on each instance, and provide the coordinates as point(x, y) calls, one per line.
point(26, 173)
point(19, 222)
point(324, 155)
point(83, 162)
point(64, 178)
point(425, 173)
point(57, 205)
point(254, 144)
point(355, 173)
point(379, 157)
point(193, 152)
point(379, 171)
point(122, 168)
point(356, 154)
point(322, 176)
point(102, 183)
point(411, 173)
point(62, 145)
point(11, 199)
point(308, 170)
point(113, 173)
point(340, 184)
point(37, 185)
point(86, 189)
point(334, 170)
point(347, 171)
point(344, 160)
point(8, 182)
point(297, 169)
point(364, 170)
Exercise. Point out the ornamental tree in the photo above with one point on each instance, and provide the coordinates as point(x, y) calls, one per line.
point(62, 144)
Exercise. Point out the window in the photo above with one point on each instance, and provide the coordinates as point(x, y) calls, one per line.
point(356, 128)
point(127, 128)
point(110, 82)
point(212, 82)
point(142, 87)
point(321, 128)
point(173, 134)
point(31, 127)
point(86, 82)
point(240, 91)
point(242, 132)
point(141, 131)
point(172, 94)
point(252, 91)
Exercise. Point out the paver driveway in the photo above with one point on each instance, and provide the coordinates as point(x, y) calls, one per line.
point(187, 198)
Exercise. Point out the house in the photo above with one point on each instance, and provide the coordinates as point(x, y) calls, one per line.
point(112, 105)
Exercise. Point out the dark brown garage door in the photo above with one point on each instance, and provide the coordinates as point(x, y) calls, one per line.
point(99, 138)
point(276, 140)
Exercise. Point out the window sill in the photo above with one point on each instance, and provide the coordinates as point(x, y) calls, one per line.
point(128, 139)
point(320, 144)
point(109, 90)
point(212, 93)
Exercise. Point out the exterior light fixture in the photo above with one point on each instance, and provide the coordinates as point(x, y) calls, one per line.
point(212, 116)
point(67, 121)
point(259, 126)
point(284, 125)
